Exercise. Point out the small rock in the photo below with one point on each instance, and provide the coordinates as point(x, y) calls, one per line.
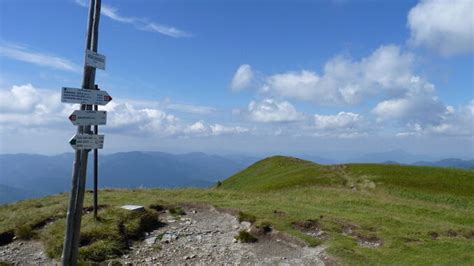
point(168, 237)
point(245, 225)
point(133, 208)
point(150, 241)
point(234, 240)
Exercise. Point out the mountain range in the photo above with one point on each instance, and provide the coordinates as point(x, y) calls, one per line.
point(28, 175)
point(25, 176)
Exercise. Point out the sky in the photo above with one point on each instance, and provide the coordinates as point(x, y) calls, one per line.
point(322, 77)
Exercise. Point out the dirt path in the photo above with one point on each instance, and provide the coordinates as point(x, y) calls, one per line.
point(25, 253)
point(204, 236)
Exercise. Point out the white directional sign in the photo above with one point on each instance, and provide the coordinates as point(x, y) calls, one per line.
point(82, 96)
point(87, 142)
point(94, 59)
point(88, 117)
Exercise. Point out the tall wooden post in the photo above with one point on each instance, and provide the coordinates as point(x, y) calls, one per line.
point(76, 198)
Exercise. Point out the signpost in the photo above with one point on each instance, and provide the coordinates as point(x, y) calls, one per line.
point(87, 142)
point(84, 140)
point(95, 60)
point(88, 117)
point(85, 96)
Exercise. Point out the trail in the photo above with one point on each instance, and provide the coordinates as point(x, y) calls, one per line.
point(204, 236)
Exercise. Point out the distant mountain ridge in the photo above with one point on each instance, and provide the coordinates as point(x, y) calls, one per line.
point(451, 162)
point(29, 175)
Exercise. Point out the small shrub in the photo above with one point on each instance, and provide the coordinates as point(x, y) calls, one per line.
point(101, 250)
point(264, 227)
point(246, 217)
point(177, 211)
point(149, 222)
point(134, 225)
point(245, 237)
point(157, 207)
point(24, 232)
point(219, 184)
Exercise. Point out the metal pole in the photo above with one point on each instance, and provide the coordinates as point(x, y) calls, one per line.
point(96, 167)
point(76, 198)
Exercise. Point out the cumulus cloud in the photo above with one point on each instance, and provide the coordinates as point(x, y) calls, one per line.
point(200, 128)
point(418, 105)
point(452, 122)
point(343, 124)
point(388, 70)
point(242, 78)
point(270, 110)
point(21, 53)
point(218, 129)
point(446, 27)
point(139, 23)
point(26, 106)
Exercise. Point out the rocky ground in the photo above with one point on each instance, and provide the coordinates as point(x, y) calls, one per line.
point(25, 253)
point(203, 236)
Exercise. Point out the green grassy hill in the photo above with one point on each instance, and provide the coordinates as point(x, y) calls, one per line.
point(413, 215)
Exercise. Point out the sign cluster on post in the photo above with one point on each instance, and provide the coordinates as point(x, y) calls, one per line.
point(86, 117)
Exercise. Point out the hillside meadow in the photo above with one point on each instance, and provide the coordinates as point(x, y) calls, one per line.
point(363, 213)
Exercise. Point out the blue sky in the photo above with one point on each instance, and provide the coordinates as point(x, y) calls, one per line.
point(256, 77)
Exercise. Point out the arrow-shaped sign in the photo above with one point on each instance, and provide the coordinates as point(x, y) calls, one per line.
point(94, 59)
point(82, 96)
point(87, 142)
point(88, 117)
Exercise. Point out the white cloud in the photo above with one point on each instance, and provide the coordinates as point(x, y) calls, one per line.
point(451, 123)
point(112, 13)
point(21, 53)
point(342, 125)
point(242, 78)
point(343, 120)
point(164, 29)
point(201, 129)
point(444, 26)
point(387, 71)
point(218, 129)
point(139, 23)
point(418, 105)
point(28, 107)
point(270, 110)
point(197, 128)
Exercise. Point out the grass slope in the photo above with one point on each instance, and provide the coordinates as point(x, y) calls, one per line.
point(422, 215)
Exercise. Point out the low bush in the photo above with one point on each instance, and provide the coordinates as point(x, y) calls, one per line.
point(24, 231)
point(246, 217)
point(246, 237)
point(177, 211)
